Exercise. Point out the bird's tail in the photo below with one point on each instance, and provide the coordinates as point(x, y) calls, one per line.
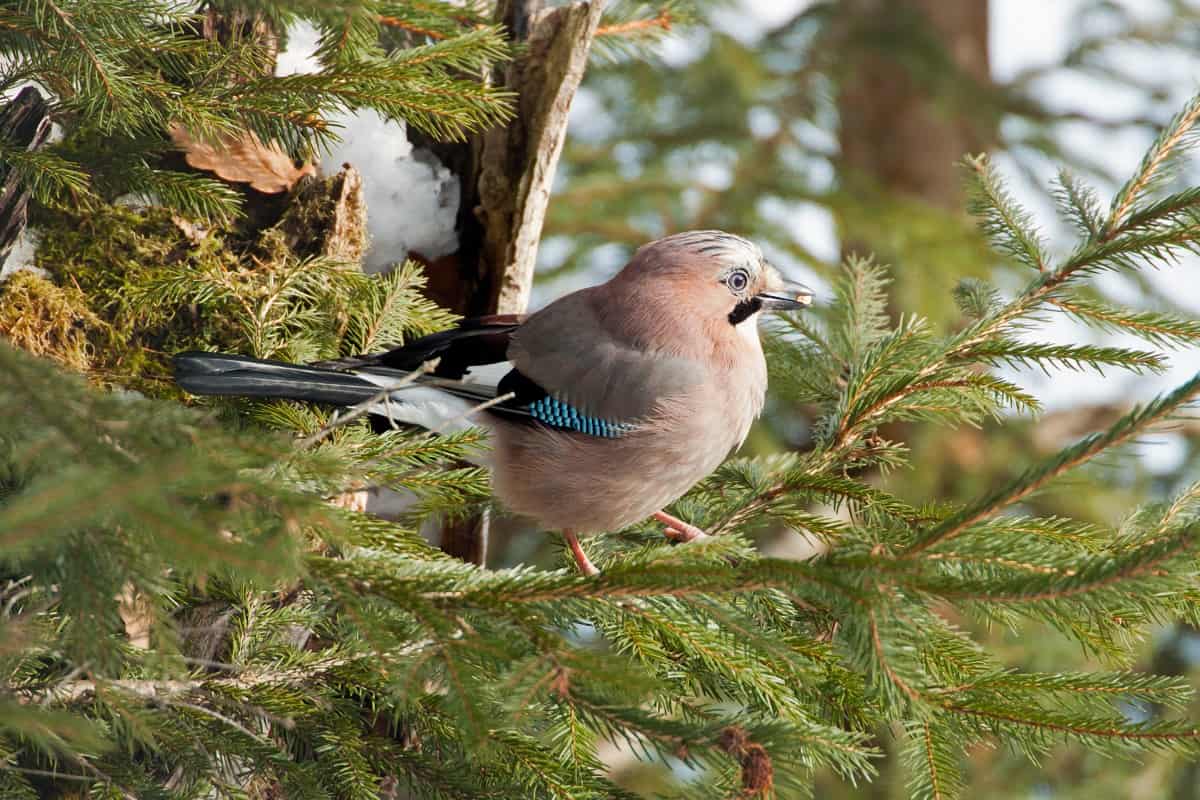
point(241, 376)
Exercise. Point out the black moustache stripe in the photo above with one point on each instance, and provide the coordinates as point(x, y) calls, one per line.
point(745, 309)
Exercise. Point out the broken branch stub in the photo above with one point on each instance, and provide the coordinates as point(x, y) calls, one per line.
point(327, 217)
point(24, 124)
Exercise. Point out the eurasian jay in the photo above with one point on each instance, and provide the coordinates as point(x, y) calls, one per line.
point(624, 395)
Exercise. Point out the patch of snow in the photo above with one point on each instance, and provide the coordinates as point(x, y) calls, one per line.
point(300, 55)
point(412, 199)
point(22, 254)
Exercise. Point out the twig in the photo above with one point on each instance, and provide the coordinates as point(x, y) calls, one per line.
point(231, 722)
point(384, 396)
point(495, 401)
point(46, 773)
point(67, 679)
point(162, 690)
point(396, 22)
point(75, 691)
point(663, 20)
point(367, 465)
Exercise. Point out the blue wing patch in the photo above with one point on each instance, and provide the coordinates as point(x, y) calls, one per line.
point(531, 401)
point(560, 415)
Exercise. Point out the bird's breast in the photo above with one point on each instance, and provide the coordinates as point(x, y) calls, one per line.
point(588, 483)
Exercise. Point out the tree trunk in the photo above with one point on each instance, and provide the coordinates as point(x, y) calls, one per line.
point(902, 58)
point(506, 175)
point(506, 172)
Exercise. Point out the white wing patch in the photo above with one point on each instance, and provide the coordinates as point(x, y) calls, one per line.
point(426, 406)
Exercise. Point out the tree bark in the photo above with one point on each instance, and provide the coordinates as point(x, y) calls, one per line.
point(517, 164)
point(24, 124)
point(507, 174)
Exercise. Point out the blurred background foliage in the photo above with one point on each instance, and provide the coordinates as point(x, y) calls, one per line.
point(822, 129)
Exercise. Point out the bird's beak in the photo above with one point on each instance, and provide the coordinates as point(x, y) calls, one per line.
point(785, 296)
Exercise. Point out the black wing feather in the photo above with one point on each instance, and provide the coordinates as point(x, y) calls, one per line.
point(474, 342)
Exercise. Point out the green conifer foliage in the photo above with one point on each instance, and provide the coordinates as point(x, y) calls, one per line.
point(123, 71)
point(185, 614)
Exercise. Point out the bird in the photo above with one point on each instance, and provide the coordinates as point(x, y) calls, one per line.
point(603, 407)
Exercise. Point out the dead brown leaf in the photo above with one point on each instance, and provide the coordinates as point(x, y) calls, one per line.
point(242, 159)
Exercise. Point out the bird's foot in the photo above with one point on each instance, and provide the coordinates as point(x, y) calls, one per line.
point(581, 558)
point(678, 530)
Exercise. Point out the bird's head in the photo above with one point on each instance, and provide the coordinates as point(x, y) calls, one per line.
point(715, 278)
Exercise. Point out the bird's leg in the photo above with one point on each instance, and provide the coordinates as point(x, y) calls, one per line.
point(581, 558)
point(677, 529)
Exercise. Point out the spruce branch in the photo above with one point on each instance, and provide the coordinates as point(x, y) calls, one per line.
point(1009, 226)
point(1158, 735)
point(1180, 208)
point(53, 180)
point(1131, 425)
point(1176, 136)
point(1147, 562)
point(1159, 329)
point(435, 20)
point(1098, 687)
point(663, 21)
point(65, 19)
point(1079, 203)
point(489, 589)
point(932, 756)
point(631, 28)
point(1078, 357)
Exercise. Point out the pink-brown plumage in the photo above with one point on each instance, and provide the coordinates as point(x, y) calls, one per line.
point(648, 382)
point(699, 380)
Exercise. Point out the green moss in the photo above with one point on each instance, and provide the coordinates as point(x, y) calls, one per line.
point(106, 254)
point(106, 249)
point(152, 285)
point(48, 320)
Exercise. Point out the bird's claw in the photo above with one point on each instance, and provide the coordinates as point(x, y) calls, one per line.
point(690, 533)
point(677, 530)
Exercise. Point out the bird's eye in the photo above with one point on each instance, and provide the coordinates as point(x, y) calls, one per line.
point(738, 280)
